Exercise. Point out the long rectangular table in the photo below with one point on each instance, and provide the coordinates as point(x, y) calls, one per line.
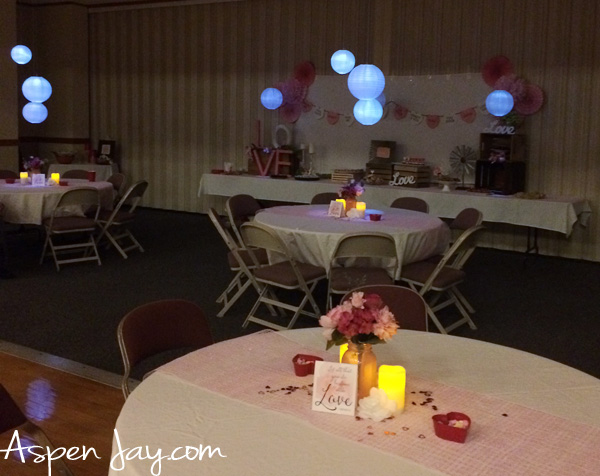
point(558, 214)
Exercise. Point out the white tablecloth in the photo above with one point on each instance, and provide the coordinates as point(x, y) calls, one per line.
point(312, 236)
point(167, 411)
point(26, 204)
point(102, 171)
point(553, 213)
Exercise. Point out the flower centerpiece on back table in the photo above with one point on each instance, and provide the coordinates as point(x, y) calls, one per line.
point(350, 192)
point(33, 164)
point(361, 321)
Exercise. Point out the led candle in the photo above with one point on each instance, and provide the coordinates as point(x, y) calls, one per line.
point(24, 176)
point(343, 202)
point(392, 379)
point(55, 177)
point(343, 349)
point(361, 207)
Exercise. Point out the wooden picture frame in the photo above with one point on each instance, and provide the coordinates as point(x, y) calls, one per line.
point(382, 151)
point(106, 148)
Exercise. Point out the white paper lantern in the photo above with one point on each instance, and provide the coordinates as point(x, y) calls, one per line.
point(271, 98)
point(342, 61)
point(368, 111)
point(35, 112)
point(499, 103)
point(21, 54)
point(366, 81)
point(36, 89)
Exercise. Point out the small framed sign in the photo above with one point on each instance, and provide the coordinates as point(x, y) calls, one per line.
point(38, 180)
point(336, 209)
point(334, 388)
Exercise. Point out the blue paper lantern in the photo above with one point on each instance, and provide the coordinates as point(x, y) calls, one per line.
point(35, 112)
point(36, 89)
point(342, 61)
point(271, 98)
point(499, 103)
point(21, 54)
point(368, 111)
point(366, 81)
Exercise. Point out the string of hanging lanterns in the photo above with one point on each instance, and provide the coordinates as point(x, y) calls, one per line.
point(36, 89)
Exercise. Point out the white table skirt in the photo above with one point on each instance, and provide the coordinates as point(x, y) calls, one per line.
point(312, 236)
point(102, 171)
point(166, 411)
point(26, 204)
point(553, 213)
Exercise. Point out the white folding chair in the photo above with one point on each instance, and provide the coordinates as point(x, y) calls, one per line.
point(115, 224)
point(288, 274)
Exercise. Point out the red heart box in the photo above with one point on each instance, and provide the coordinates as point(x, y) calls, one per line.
point(305, 364)
point(451, 433)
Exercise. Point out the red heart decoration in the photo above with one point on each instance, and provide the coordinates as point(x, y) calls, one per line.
point(468, 115)
point(432, 121)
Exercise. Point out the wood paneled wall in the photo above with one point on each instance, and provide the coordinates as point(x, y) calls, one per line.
point(178, 87)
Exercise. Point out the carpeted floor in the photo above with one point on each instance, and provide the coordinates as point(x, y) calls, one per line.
point(546, 307)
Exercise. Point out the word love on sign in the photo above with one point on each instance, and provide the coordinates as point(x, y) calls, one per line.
point(403, 180)
point(497, 128)
point(334, 388)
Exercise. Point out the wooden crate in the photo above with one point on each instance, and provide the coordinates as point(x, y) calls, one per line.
point(416, 176)
point(346, 175)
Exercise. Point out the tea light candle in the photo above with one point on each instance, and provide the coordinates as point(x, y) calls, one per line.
point(361, 207)
point(55, 177)
point(24, 176)
point(343, 349)
point(343, 202)
point(392, 379)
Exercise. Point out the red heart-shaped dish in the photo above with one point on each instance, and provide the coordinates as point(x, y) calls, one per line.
point(452, 426)
point(304, 364)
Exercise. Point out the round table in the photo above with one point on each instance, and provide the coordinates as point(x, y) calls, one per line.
point(183, 404)
point(26, 204)
point(312, 235)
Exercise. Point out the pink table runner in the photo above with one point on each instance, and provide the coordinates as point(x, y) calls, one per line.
point(505, 438)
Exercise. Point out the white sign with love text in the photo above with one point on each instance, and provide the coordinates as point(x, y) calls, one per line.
point(334, 388)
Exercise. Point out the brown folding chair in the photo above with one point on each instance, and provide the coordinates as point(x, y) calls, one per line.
point(288, 274)
point(75, 174)
point(4, 174)
point(435, 280)
point(119, 183)
point(240, 209)
point(352, 263)
point(324, 198)
point(157, 327)
point(76, 231)
point(115, 224)
point(12, 418)
point(411, 203)
point(240, 262)
point(466, 219)
point(407, 306)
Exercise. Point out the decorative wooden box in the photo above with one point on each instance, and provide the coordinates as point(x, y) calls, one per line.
point(346, 175)
point(506, 178)
point(406, 175)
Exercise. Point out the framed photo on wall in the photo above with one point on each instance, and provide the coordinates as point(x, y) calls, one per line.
point(382, 151)
point(106, 151)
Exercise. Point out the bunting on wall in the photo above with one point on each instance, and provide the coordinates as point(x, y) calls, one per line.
point(402, 113)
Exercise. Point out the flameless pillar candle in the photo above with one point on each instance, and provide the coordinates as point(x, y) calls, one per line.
point(392, 379)
point(55, 177)
point(343, 202)
point(24, 176)
point(361, 207)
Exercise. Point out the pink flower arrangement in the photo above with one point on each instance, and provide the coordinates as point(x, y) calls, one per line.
point(363, 319)
point(33, 163)
point(351, 190)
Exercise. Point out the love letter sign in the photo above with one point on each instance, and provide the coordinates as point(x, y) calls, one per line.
point(334, 388)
